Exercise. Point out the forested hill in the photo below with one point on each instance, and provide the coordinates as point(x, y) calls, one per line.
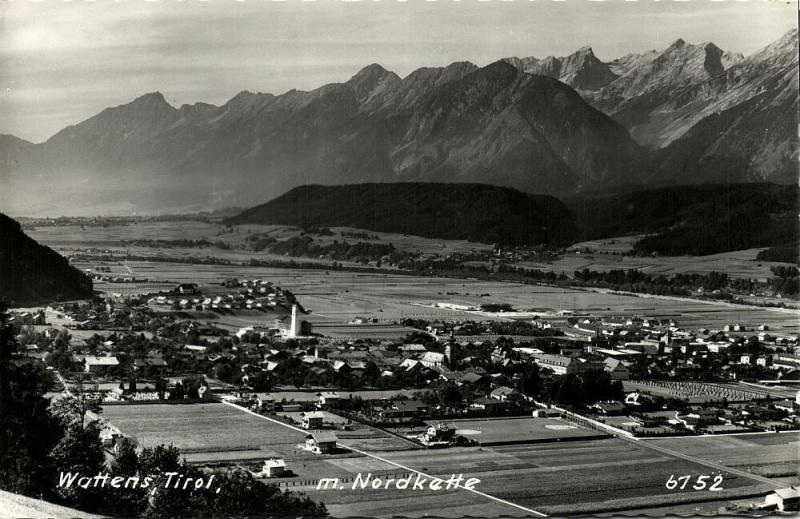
point(475, 212)
point(696, 219)
point(31, 273)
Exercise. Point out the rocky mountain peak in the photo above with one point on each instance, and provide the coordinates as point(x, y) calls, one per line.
point(152, 101)
point(372, 80)
point(677, 44)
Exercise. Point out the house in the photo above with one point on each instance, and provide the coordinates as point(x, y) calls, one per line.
point(411, 365)
point(786, 361)
point(699, 417)
point(412, 348)
point(402, 411)
point(153, 365)
point(432, 359)
point(504, 393)
point(109, 435)
point(273, 468)
point(99, 365)
point(609, 408)
point(470, 378)
point(784, 499)
point(787, 405)
point(266, 402)
point(321, 442)
point(187, 288)
point(636, 399)
point(440, 434)
point(490, 406)
point(559, 364)
point(329, 398)
point(313, 419)
point(340, 366)
point(616, 369)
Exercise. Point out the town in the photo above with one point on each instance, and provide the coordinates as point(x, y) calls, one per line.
point(491, 376)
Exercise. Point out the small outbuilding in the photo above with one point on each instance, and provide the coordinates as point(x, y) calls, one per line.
point(784, 499)
point(274, 468)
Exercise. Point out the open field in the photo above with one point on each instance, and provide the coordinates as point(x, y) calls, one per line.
point(518, 430)
point(765, 454)
point(737, 264)
point(202, 427)
point(336, 297)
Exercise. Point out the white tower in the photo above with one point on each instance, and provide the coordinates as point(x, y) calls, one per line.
point(294, 328)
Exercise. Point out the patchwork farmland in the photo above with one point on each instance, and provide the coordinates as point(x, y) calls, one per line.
point(604, 474)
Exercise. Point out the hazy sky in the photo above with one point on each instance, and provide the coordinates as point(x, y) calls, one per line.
point(63, 61)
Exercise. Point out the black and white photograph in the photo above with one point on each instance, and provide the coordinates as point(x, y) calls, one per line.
point(399, 259)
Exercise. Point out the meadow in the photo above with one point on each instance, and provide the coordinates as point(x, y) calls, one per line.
point(519, 430)
point(765, 454)
point(196, 428)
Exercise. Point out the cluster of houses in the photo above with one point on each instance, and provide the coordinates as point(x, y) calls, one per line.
point(625, 348)
point(255, 294)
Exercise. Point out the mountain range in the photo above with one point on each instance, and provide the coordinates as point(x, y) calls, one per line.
point(557, 126)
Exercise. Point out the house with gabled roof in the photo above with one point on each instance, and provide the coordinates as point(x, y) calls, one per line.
point(321, 442)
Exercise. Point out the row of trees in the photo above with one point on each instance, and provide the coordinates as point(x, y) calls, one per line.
point(305, 246)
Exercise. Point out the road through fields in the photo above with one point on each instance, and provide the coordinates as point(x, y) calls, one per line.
point(395, 464)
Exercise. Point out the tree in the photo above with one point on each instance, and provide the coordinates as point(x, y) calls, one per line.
point(27, 430)
point(449, 395)
point(177, 392)
point(161, 388)
point(124, 501)
point(192, 385)
point(74, 406)
point(80, 451)
point(59, 358)
point(529, 383)
point(126, 461)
